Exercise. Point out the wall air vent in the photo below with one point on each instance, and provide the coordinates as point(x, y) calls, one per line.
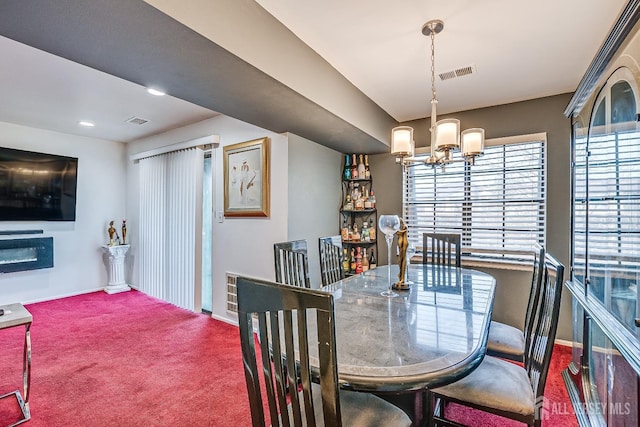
point(458, 72)
point(137, 120)
point(232, 296)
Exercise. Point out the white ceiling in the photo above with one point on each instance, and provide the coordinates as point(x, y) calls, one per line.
point(520, 50)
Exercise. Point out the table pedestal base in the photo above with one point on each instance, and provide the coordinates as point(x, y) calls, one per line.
point(24, 407)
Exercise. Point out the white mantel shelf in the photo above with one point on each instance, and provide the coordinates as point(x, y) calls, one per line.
point(115, 270)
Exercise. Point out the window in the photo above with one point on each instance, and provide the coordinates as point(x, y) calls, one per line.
point(497, 205)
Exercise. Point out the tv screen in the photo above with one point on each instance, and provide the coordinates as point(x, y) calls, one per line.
point(37, 186)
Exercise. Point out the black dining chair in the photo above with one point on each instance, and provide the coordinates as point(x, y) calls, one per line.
point(442, 252)
point(501, 387)
point(283, 315)
point(511, 343)
point(291, 263)
point(330, 259)
point(441, 249)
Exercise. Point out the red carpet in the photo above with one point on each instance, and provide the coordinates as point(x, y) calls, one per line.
point(130, 360)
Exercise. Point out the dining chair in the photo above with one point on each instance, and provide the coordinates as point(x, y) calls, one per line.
point(504, 388)
point(511, 343)
point(441, 249)
point(291, 263)
point(330, 259)
point(442, 253)
point(284, 314)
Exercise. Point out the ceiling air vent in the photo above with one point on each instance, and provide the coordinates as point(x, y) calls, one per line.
point(458, 72)
point(137, 120)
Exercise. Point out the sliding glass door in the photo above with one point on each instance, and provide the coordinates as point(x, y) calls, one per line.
point(207, 234)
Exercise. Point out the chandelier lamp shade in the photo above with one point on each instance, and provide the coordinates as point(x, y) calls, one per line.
point(446, 137)
point(402, 143)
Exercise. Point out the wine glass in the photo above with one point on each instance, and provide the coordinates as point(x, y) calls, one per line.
point(389, 224)
point(411, 251)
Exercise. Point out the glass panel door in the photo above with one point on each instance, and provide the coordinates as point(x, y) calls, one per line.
point(207, 236)
point(612, 183)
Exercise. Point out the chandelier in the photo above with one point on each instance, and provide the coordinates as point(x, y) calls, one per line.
point(446, 137)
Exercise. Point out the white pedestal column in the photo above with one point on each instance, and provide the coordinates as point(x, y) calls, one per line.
point(116, 269)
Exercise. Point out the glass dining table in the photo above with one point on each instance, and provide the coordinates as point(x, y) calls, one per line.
point(428, 336)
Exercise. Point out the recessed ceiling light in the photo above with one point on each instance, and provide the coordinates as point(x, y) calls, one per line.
point(155, 92)
point(86, 123)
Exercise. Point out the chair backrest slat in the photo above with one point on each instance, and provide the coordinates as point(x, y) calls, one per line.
point(282, 313)
point(544, 333)
point(291, 263)
point(330, 249)
point(534, 302)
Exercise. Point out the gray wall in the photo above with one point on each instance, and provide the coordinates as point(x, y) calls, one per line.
point(315, 194)
point(539, 115)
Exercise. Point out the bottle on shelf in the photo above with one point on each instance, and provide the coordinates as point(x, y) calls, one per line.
point(359, 260)
point(348, 206)
point(373, 263)
point(354, 167)
point(353, 193)
point(367, 199)
point(356, 233)
point(361, 167)
point(352, 263)
point(365, 237)
point(367, 172)
point(345, 260)
point(344, 231)
point(372, 231)
point(365, 261)
point(349, 233)
point(372, 197)
point(359, 202)
point(346, 174)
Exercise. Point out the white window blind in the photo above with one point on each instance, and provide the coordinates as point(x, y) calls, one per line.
point(614, 192)
point(497, 205)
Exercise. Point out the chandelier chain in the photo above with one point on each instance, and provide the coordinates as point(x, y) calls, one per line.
point(433, 67)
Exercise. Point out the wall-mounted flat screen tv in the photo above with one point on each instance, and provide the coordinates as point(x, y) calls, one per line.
point(37, 186)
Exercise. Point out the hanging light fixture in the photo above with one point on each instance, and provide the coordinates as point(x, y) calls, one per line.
point(445, 134)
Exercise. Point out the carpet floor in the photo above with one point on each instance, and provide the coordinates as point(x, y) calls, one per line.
point(131, 360)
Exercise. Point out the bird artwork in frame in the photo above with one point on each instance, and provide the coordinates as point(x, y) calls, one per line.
point(246, 179)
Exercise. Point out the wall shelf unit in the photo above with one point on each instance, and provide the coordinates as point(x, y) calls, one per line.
point(358, 216)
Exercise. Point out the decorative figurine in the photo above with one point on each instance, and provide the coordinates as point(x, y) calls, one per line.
point(403, 243)
point(124, 231)
point(114, 240)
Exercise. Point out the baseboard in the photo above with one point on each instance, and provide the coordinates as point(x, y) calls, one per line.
point(73, 294)
point(224, 319)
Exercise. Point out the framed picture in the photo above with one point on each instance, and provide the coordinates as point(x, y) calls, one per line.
point(246, 179)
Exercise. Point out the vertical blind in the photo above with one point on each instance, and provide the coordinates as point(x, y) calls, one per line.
point(497, 205)
point(170, 227)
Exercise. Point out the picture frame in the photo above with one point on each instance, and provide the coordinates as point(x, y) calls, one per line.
point(247, 178)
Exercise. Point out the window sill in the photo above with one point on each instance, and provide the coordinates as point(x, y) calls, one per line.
point(485, 263)
point(499, 265)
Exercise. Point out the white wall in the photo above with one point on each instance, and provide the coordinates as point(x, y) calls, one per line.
point(78, 259)
point(240, 245)
point(315, 193)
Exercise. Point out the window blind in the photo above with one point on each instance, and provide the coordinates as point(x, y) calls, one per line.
point(613, 162)
point(497, 205)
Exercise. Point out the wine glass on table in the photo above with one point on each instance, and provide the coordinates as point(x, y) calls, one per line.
point(411, 251)
point(388, 225)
